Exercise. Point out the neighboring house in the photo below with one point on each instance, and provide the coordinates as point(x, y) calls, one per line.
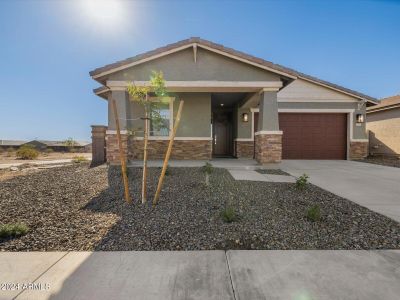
point(60, 146)
point(41, 145)
point(236, 105)
point(10, 144)
point(383, 124)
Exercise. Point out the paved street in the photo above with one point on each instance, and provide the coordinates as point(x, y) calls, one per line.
point(203, 275)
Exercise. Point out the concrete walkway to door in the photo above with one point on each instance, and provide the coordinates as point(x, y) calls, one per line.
point(373, 186)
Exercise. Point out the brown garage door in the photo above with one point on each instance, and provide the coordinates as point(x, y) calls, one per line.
point(313, 136)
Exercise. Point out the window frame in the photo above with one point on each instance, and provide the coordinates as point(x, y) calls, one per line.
point(171, 112)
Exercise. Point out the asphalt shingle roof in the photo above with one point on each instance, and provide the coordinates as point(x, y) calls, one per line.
point(231, 51)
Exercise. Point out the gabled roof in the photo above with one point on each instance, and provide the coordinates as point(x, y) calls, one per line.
point(385, 103)
point(196, 41)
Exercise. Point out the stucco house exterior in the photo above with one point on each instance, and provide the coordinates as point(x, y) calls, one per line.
point(383, 125)
point(236, 105)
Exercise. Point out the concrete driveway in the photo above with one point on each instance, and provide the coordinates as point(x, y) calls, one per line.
point(373, 186)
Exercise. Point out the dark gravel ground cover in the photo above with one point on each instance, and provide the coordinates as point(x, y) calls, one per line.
point(272, 171)
point(382, 160)
point(81, 208)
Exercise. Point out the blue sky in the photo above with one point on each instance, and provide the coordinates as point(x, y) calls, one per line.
point(48, 47)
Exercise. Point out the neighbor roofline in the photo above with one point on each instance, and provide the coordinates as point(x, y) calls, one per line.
point(220, 49)
point(374, 109)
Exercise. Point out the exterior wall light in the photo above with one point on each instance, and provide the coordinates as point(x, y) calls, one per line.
point(360, 118)
point(245, 117)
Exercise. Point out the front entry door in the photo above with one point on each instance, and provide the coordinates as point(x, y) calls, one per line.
point(222, 131)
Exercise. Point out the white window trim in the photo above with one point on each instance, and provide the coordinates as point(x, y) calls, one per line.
point(279, 132)
point(110, 131)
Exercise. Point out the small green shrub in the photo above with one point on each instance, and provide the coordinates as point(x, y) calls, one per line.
point(49, 150)
point(229, 214)
point(207, 168)
point(314, 213)
point(78, 159)
point(302, 181)
point(27, 152)
point(13, 230)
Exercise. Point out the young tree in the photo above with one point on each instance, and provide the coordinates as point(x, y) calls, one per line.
point(142, 95)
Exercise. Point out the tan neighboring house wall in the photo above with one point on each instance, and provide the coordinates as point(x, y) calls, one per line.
point(384, 132)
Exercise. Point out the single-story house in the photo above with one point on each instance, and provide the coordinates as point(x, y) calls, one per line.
point(383, 125)
point(60, 146)
point(10, 144)
point(236, 105)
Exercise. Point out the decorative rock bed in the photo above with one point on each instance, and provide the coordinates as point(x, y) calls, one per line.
point(81, 208)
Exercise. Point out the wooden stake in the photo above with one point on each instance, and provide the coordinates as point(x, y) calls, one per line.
point(168, 154)
point(121, 154)
point(146, 137)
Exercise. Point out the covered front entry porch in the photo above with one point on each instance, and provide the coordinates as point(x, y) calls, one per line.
point(219, 120)
point(246, 125)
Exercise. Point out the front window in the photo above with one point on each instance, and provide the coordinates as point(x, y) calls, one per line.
point(161, 117)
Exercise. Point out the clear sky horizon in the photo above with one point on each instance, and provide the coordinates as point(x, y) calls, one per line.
point(49, 47)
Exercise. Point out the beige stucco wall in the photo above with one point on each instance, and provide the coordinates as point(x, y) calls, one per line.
point(209, 66)
point(305, 90)
point(244, 128)
point(195, 119)
point(384, 132)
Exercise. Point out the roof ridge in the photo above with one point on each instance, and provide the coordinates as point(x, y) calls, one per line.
point(220, 47)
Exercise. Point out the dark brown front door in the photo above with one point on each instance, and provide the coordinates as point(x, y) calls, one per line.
point(222, 134)
point(313, 135)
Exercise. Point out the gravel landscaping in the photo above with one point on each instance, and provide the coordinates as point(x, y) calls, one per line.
point(383, 160)
point(80, 208)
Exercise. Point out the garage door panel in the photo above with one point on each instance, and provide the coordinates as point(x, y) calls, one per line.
point(313, 136)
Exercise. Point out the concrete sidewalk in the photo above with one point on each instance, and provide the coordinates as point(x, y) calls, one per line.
point(203, 275)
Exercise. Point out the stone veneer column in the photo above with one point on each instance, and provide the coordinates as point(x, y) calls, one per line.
point(98, 144)
point(268, 147)
point(268, 138)
point(358, 149)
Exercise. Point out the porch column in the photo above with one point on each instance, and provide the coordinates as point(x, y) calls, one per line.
point(268, 138)
point(122, 103)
